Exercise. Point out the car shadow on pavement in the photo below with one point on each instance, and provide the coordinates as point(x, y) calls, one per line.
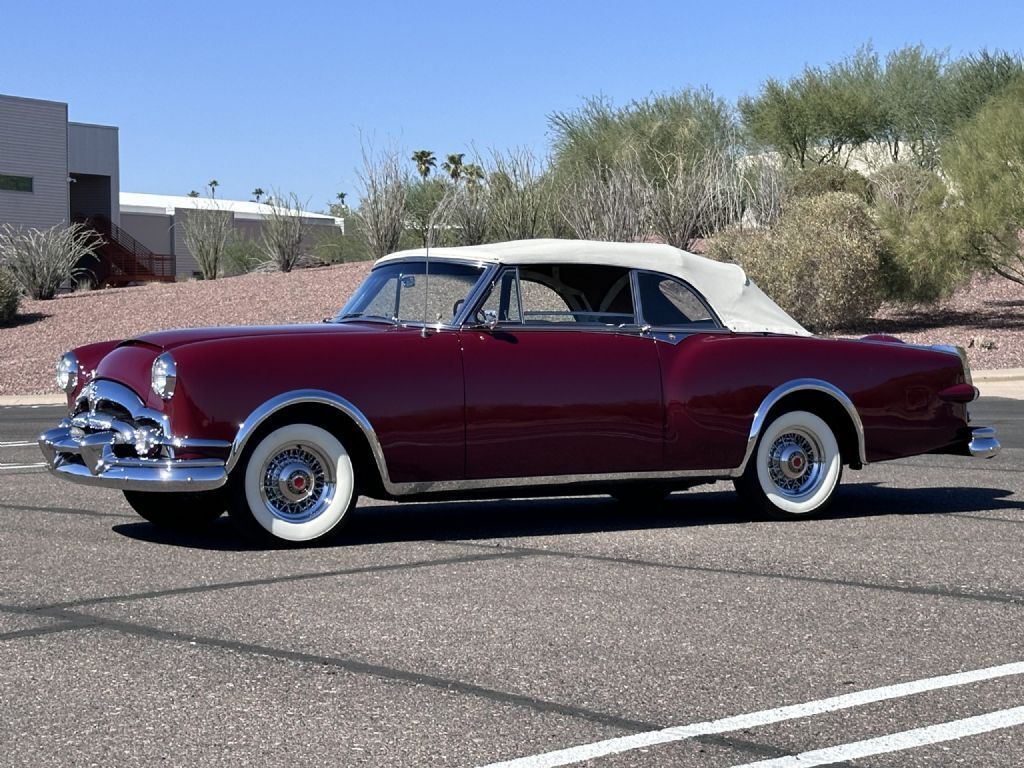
point(455, 520)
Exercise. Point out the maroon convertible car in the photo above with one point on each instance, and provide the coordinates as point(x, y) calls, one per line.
point(525, 368)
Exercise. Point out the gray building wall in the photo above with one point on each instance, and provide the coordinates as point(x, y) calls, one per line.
point(34, 142)
point(152, 230)
point(93, 150)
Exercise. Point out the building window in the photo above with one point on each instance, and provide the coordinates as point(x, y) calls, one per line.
point(16, 183)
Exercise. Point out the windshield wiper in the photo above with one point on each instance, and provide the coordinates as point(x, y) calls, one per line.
point(370, 318)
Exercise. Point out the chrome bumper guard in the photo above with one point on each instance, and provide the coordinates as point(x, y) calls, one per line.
point(114, 441)
point(983, 443)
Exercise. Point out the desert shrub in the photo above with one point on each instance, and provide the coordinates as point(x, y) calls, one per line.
point(241, 255)
point(42, 259)
point(820, 263)
point(9, 296)
point(334, 246)
point(924, 246)
point(821, 179)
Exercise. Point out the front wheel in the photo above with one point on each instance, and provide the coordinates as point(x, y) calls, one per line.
point(795, 468)
point(179, 511)
point(295, 485)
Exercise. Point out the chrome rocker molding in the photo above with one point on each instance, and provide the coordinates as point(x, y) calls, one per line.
point(320, 397)
point(801, 385)
point(82, 448)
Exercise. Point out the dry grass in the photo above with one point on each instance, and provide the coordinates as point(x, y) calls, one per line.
point(989, 307)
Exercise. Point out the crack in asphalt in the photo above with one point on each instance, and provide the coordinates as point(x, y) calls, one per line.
point(982, 596)
point(64, 511)
point(73, 621)
point(292, 577)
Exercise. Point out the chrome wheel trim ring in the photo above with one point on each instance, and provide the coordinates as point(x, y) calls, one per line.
point(795, 463)
point(298, 483)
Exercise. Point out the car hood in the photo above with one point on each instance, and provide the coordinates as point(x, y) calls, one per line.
point(167, 340)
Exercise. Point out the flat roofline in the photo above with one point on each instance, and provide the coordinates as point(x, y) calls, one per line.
point(93, 125)
point(34, 101)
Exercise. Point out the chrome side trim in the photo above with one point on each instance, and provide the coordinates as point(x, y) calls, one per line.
point(983, 444)
point(448, 486)
point(320, 397)
point(801, 385)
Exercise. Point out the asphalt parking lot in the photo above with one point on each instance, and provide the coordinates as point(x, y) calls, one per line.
point(540, 632)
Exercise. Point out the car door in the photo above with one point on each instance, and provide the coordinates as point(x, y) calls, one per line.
point(681, 322)
point(563, 382)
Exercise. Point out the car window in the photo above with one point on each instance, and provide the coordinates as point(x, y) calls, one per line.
point(399, 292)
point(668, 302)
point(556, 294)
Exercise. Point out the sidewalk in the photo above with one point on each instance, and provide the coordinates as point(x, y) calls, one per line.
point(1005, 382)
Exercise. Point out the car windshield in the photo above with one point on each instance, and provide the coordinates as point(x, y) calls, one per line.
point(396, 293)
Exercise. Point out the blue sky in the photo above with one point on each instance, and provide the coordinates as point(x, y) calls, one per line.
point(277, 95)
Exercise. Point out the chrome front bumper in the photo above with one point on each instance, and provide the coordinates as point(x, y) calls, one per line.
point(983, 443)
point(113, 441)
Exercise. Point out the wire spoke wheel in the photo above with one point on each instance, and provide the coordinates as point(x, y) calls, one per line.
point(795, 463)
point(795, 468)
point(298, 483)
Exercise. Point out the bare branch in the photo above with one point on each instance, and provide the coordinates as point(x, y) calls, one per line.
point(382, 202)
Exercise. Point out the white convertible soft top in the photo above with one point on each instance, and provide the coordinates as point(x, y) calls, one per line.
point(741, 305)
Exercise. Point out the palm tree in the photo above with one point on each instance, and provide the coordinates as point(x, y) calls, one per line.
point(193, 193)
point(213, 184)
point(474, 174)
point(425, 162)
point(453, 165)
point(258, 193)
point(341, 198)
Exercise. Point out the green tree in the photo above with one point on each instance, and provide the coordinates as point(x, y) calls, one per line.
point(985, 163)
point(213, 184)
point(597, 136)
point(819, 116)
point(425, 162)
point(421, 201)
point(909, 95)
point(193, 193)
point(454, 166)
point(973, 80)
point(780, 118)
point(258, 193)
point(473, 173)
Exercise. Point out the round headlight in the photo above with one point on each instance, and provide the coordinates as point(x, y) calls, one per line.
point(67, 372)
point(164, 376)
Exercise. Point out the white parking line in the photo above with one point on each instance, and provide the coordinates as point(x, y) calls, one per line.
point(596, 749)
point(896, 742)
point(37, 465)
point(18, 444)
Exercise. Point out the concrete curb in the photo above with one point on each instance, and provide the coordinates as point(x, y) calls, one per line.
point(54, 399)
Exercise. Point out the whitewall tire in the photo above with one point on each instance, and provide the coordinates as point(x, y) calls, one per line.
point(296, 485)
point(795, 468)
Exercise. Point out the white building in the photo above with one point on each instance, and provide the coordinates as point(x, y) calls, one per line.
point(53, 171)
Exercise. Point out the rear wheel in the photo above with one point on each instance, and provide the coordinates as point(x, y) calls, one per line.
point(179, 511)
point(296, 484)
point(795, 468)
